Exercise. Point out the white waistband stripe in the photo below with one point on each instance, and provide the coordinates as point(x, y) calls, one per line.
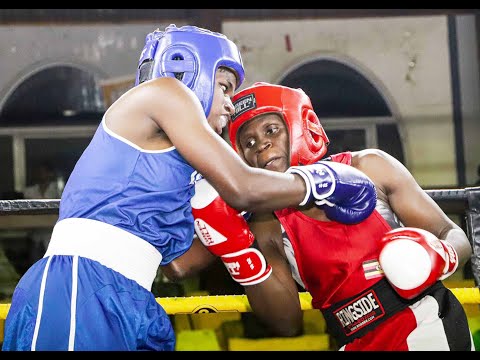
point(113, 247)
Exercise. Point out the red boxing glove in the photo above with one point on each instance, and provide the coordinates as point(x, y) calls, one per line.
point(414, 259)
point(225, 233)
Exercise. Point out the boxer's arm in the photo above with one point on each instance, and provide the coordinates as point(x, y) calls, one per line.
point(411, 204)
point(174, 110)
point(285, 317)
point(189, 264)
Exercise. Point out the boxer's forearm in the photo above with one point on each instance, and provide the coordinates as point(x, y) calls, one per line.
point(459, 240)
point(276, 306)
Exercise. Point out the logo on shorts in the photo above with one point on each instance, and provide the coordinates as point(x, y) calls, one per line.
point(242, 105)
point(359, 312)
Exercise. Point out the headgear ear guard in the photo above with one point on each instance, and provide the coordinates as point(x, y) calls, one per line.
point(192, 55)
point(308, 140)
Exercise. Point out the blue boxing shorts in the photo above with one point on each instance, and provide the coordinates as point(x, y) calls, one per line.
point(70, 302)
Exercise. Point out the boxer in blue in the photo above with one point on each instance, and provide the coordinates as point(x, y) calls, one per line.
point(126, 209)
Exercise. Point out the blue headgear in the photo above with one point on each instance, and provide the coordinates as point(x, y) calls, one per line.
point(192, 55)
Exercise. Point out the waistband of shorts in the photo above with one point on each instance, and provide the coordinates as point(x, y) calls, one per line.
point(352, 318)
point(111, 246)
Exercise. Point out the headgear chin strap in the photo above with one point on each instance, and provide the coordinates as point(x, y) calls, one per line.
point(192, 55)
point(308, 140)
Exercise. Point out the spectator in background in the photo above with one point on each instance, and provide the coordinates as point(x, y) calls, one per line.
point(44, 183)
point(23, 248)
point(45, 186)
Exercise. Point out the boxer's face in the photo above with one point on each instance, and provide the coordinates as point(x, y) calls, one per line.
point(222, 107)
point(264, 142)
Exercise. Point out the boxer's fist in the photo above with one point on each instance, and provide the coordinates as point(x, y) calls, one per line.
point(414, 259)
point(345, 193)
point(224, 231)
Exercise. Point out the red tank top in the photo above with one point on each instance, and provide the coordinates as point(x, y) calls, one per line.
point(335, 261)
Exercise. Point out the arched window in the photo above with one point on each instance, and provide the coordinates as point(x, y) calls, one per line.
point(51, 115)
point(352, 110)
point(58, 95)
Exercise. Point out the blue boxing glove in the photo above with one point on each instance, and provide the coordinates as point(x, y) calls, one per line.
point(346, 194)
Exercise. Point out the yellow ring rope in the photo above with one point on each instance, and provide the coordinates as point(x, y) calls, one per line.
point(239, 303)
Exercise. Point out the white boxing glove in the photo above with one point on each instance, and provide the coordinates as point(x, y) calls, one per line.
point(414, 259)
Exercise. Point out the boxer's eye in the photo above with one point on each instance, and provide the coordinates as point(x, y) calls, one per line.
point(250, 143)
point(272, 129)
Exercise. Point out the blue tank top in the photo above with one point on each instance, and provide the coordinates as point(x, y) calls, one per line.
point(146, 193)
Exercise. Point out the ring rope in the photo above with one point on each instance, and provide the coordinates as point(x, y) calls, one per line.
point(458, 198)
point(239, 303)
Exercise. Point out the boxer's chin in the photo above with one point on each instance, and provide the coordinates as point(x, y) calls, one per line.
point(277, 164)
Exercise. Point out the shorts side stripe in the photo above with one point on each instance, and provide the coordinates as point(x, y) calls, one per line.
point(40, 304)
point(73, 304)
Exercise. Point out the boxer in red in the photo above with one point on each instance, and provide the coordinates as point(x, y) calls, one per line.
point(378, 281)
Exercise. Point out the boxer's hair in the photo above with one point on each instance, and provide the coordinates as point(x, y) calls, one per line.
point(192, 55)
point(308, 140)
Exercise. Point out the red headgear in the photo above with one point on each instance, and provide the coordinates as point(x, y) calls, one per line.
point(308, 140)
